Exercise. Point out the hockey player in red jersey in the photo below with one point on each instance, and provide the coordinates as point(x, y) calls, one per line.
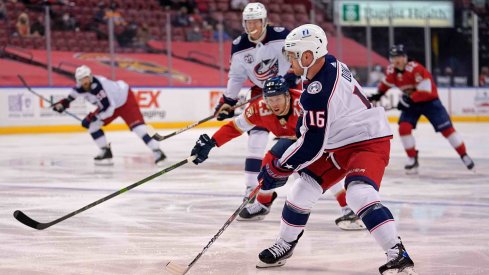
point(278, 112)
point(341, 136)
point(113, 99)
point(419, 97)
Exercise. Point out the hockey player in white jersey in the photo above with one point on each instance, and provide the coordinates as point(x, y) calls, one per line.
point(255, 55)
point(113, 99)
point(342, 135)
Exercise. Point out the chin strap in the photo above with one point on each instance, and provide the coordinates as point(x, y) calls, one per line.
point(262, 36)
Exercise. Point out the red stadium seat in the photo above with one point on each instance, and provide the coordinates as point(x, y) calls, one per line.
point(300, 8)
point(275, 19)
point(287, 8)
point(222, 6)
point(275, 8)
point(302, 18)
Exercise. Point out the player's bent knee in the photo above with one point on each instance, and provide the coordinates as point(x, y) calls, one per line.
point(360, 195)
point(405, 128)
point(304, 193)
point(447, 132)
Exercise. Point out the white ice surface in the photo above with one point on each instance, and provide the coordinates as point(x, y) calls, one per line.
point(442, 213)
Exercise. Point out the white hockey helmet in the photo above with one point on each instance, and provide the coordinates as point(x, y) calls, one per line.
point(82, 72)
point(254, 11)
point(308, 37)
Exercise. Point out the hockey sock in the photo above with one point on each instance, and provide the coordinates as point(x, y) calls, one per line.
point(257, 142)
point(99, 138)
point(407, 139)
point(364, 200)
point(339, 192)
point(455, 140)
point(141, 131)
point(301, 198)
point(252, 168)
point(265, 196)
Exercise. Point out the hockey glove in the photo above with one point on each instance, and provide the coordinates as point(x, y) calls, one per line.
point(375, 97)
point(272, 175)
point(405, 103)
point(202, 148)
point(61, 105)
point(91, 117)
point(223, 109)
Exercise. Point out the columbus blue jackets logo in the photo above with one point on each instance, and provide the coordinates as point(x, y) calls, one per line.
point(314, 87)
point(266, 69)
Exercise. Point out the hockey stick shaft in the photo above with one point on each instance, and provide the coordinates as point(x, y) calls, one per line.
point(159, 137)
point(43, 98)
point(23, 218)
point(184, 270)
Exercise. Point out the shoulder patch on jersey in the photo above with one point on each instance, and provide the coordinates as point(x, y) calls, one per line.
point(314, 87)
point(93, 86)
point(249, 58)
point(333, 64)
point(278, 29)
point(237, 40)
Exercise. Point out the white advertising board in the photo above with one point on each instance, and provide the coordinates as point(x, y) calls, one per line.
point(18, 107)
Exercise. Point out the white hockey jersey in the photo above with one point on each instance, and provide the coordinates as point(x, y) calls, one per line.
point(336, 114)
point(106, 94)
point(256, 62)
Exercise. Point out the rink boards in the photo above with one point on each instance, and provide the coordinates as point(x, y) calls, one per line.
point(163, 107)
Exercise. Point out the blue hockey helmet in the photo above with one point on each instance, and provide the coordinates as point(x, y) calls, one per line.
point(276, 85)
point(397, 50)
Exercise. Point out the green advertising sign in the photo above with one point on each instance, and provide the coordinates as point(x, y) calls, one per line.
point(395, 13)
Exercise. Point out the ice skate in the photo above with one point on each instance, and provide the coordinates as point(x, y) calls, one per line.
point(277, 254)
point(104, 157)
point(398, 261)
point(469, 163)
point(411, 167)
point(159, 157)
point(256, 211)
point(349, 221)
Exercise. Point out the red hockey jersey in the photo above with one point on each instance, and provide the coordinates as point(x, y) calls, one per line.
point(258, 114)
point(415, 81)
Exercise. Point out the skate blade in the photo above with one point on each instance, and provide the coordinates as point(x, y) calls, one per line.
point(257, 218)
point(413, 171)
point(176, 269)
point(104, 162)
point(408, 271)
point(261, 264)
point(351, 226)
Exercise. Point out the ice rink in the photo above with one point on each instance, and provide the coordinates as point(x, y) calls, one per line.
point(442, 213)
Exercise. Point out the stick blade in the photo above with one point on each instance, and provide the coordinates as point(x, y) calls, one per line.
point(176, 269)
point(152, 133)
point(23, 218)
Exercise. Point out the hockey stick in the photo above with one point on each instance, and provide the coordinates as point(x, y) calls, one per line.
point(23, 218)
point(175, 268)
point(43, 98)
point(159, 137)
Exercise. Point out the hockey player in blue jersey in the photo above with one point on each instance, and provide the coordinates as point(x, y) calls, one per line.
point(342, 136)
point(113, 99)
